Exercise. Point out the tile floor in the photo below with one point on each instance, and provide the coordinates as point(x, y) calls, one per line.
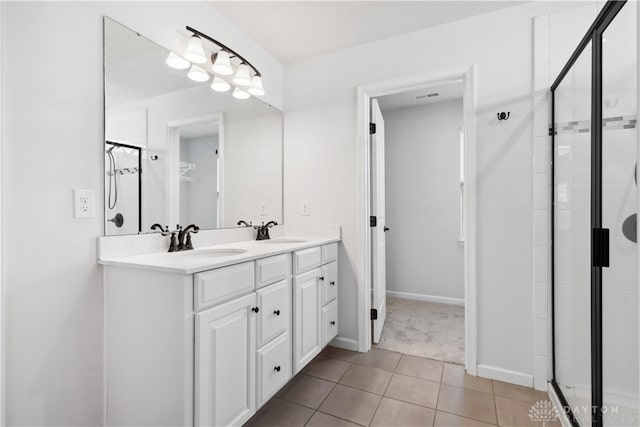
point(384, 388)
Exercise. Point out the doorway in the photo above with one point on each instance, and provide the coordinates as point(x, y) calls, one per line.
point(378, 303)
point(417, 196)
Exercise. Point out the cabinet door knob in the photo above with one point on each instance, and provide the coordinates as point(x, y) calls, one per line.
point(332, 283)
point(276, 312)
point(277, 368)
point(333, 322)
point(255, 309)
point(321, 278)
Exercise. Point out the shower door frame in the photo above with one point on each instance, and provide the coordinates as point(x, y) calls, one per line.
point(133, 147)
point(599, 252)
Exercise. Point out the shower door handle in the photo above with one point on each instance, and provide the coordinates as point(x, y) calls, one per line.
point(386, 229)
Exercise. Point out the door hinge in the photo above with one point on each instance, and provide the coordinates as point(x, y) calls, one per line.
point(372, 128)
point(374, 314)
point(600, 247)
point(373, 221)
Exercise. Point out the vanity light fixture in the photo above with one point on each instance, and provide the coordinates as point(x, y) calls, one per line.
point(246, 78)
point(240, 93)
point(177, 62)
point(220, 85)
point(198, 74)
point(195, 51)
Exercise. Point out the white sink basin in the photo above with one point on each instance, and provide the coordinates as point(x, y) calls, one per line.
point(211, 253)
point(283, 240)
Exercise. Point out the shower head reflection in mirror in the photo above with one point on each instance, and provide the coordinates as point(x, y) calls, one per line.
point(206, 158)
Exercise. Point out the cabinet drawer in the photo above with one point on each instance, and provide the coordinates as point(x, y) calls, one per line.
point(223, 284)
point(329, 322)
point(272, 269)
point(274, 302)
point(306, 259)
point(274, 367)
point(329, 252)
point(329, 281)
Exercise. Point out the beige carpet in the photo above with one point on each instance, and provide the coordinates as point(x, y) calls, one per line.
point(424, 329)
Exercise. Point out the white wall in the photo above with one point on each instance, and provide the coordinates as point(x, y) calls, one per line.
point(52, 142)
point(422, 155)
point(320, 158)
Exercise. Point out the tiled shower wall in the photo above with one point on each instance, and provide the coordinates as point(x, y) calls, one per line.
point(555, 38)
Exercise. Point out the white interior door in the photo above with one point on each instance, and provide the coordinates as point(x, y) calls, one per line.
point(378, 250)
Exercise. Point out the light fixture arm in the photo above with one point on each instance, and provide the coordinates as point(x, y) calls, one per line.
point(224, 47)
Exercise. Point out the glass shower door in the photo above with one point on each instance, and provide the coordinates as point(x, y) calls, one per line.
point(572, 231)
point(619, 208)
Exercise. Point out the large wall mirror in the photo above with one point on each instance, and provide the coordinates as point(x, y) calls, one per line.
point(176, 152)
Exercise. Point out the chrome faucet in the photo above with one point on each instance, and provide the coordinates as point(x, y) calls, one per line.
point(263, 230)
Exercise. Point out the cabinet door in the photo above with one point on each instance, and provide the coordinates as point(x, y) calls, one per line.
point(329, 322)
point(329, 282)
point(306, 324)
point(225, 364)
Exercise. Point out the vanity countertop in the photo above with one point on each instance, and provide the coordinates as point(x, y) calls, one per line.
point(205, 258)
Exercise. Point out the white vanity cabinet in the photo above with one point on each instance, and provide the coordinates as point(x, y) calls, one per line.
point(315, 321)
point(210, 348)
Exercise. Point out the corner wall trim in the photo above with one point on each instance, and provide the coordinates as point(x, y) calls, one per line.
point(346, 343)
point(423, 297)
point(505, 375)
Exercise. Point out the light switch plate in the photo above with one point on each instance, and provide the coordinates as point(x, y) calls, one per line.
point(84, 204)
point(263, 208)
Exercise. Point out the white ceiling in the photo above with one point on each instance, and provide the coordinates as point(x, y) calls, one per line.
point(294, 30)
point(444, 91)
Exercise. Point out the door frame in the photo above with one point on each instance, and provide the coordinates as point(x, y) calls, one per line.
point(363, 237)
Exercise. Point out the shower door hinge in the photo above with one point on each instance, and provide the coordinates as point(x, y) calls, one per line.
point(373, 221)
point(372, 128)
point(374, 314)
point(600, 245)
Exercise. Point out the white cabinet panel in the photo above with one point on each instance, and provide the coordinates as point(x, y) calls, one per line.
point(274, 367)
point(306, 324)
point(223, 284)
point(225, 366)
point(329, 322)
point(274, 302)
point(307, 259)
point(329, 281)
point(329, 252)
point(272, 269)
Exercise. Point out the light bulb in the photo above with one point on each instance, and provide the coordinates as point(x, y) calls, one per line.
point(222, 63)
point(195, 52)
point(240, 94)
point(177, 62)
point(198, 74)
point(256, 86)
point(242, 77)
point(220, 85)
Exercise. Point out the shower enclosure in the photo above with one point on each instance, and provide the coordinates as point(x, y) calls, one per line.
point(123, 182)
point(594, 250)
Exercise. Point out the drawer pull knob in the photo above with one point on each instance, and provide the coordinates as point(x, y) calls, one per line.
point(277, 368)
point(333, 322)
point(321, 278)
point(255, 309)
point(276, 312)
point(332, 283)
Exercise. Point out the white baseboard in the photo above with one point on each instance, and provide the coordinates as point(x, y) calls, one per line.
point(422, 297)
point(505, 375)
point(346, 343)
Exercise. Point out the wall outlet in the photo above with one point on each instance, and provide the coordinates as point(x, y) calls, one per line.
point(304, 208)
point(263, 209)
point(84, 204)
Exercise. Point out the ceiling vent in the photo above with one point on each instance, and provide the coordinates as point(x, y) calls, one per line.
point(424, 96)
point(431, 95)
